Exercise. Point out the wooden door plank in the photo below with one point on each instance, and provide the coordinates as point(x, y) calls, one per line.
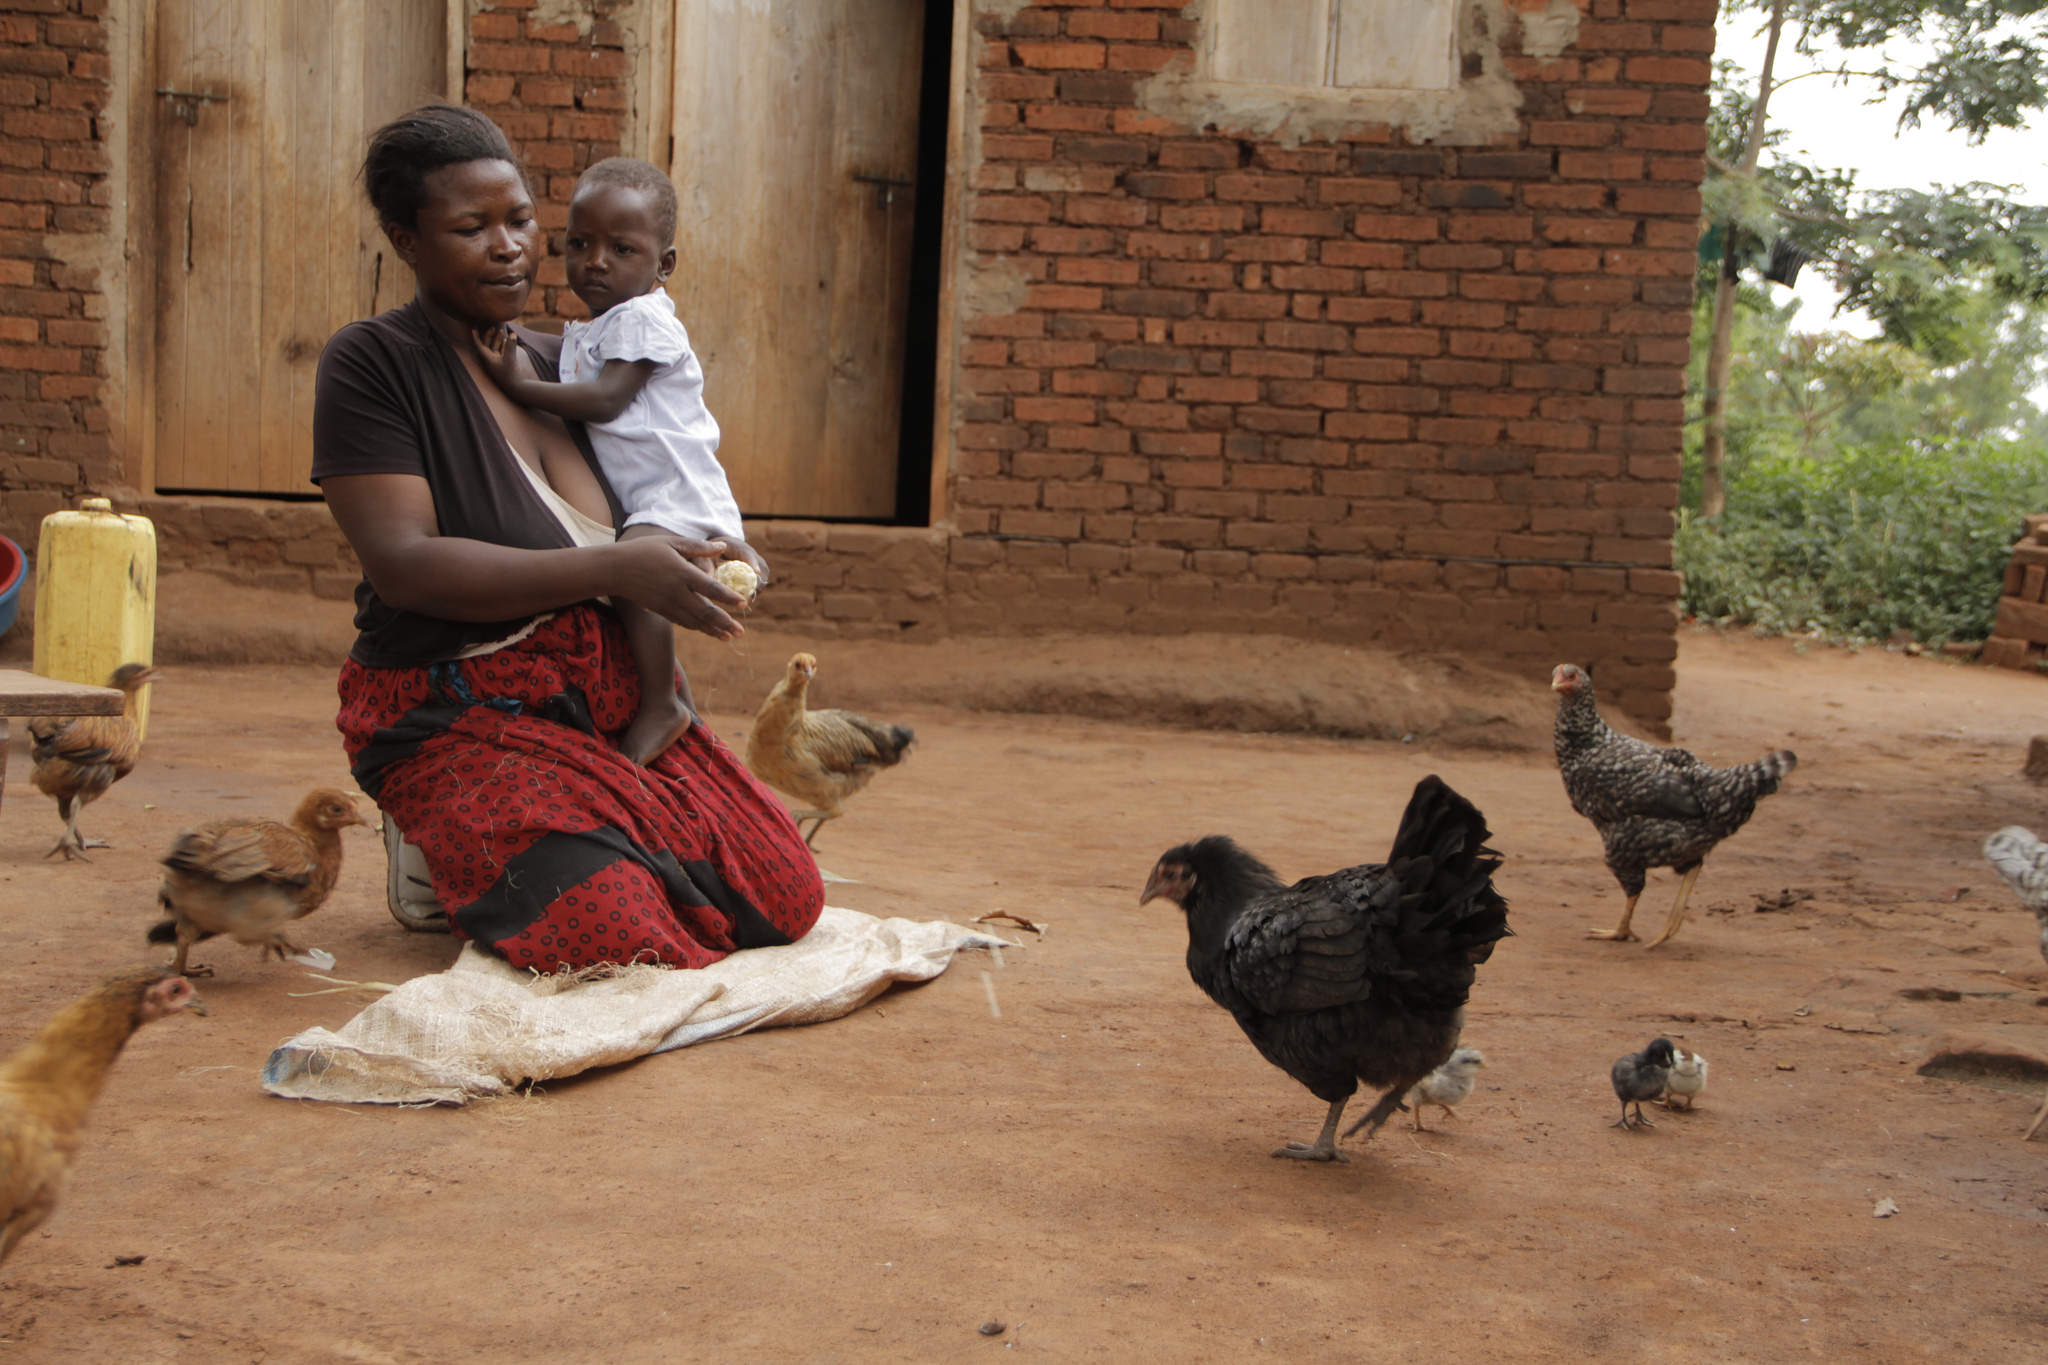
point(238, 337)
point(173, 226)
point(282, 26)
point(792, 278)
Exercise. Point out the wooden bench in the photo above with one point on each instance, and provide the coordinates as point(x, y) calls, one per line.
point(29, 694)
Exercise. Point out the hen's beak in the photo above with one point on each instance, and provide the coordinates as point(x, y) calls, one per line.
point(195, 1006)
point(1151, 887)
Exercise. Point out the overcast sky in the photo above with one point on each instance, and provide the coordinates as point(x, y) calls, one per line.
point(1831, 125)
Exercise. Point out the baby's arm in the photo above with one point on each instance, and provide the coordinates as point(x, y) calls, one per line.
point(595, 400)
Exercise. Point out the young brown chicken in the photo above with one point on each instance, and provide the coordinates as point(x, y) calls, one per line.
point(48, 1086)
point(251, 878)
point(78, 757)
point(818, 757)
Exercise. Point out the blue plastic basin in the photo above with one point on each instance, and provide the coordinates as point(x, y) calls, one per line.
point(11, 566)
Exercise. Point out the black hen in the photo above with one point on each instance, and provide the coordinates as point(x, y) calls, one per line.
point(1653, 806)
point(1358, 976)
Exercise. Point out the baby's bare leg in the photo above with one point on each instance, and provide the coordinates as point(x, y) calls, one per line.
point(664, 712)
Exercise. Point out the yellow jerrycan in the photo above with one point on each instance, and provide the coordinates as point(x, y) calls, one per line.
point(96, 596)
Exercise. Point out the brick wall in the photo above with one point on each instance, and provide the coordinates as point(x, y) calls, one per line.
point(1351, 386)
point(55, 189)
point(1358, 388)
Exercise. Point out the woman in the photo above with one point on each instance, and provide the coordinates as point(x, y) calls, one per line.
point(482, 701)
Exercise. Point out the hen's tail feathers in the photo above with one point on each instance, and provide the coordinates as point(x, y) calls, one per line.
point(890, 742)
point(2022, 860)
point(1446, 869)
point(1770, 770)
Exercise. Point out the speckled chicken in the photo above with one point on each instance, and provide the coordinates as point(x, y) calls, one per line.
point(1448, 1085)
point(1361, 975)
point(48, 1086)
point(1654, 806)
point(1640, 1076)
point(77, 758)
point(250, 879)
point(2022, 860)
point(819, 757)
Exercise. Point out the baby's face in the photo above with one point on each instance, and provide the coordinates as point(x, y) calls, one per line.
point(613, 248)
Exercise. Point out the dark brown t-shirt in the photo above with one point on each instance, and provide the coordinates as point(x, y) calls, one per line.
point(392, 397)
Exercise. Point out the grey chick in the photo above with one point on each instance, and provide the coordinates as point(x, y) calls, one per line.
point(2022, 860)
point(1640, 1076)
point(1449, 1084)
point(1688, 1077)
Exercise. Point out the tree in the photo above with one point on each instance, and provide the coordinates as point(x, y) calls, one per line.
point(1909, 257)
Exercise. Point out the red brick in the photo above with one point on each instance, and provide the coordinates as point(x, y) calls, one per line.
point(1696, 71)
point(1130, 57)
point(1017, 147)
point(1142, 28)
point(1060, 56)
point(1604, 102)
point(1395, 227)
point(1064, 118)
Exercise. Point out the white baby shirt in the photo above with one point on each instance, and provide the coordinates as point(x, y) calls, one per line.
point(661, 453)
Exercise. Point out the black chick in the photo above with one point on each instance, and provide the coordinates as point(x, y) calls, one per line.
point(1641, 1076)
point(1361, 975)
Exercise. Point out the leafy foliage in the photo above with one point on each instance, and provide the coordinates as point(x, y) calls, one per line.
point(1869, 541)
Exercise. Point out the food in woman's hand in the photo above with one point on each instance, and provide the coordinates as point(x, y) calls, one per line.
point(739, 576)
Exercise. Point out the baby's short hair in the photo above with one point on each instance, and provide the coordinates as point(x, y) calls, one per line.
point(630, 172)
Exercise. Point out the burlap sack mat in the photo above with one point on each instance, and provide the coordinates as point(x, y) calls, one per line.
point(483, 1027)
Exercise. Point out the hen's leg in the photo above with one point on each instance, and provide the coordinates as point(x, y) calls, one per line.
point(1324, 1148)
point(188, 934)
point(2036, 1124)
point(1384, 1110)
point(1619, 933)
point(1678, 906)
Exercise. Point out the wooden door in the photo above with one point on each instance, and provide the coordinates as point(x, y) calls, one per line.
point(264, 243)
point(795, 153)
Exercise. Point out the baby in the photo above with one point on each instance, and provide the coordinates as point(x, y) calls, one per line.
point(630, 375)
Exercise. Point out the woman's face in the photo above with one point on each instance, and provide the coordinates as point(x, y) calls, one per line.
point(477, 245)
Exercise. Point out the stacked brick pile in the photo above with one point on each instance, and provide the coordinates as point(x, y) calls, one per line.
point(2019, 638)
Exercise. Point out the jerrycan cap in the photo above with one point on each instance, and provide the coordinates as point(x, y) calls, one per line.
point(95, 504)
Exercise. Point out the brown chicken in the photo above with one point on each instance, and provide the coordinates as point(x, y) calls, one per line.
point(818, 757)
point(249, 879)
point(78, 757)
point(49, 1085)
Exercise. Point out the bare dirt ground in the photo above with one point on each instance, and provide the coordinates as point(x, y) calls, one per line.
point(1090, 1169)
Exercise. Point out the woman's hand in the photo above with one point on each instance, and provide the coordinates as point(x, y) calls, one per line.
point(747, 554)
point(658, 573)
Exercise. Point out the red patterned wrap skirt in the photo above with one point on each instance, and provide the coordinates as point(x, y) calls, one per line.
point(544, 843)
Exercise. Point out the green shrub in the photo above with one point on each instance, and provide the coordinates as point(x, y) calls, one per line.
point(1866, 542)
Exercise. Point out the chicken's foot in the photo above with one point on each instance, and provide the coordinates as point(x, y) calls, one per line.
point(1640, 1120)
point(1324, 1148)
point(1620, 932)
point(72, 844)
point(819, 817)
point(2033, 1127)
point(1678, 906)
